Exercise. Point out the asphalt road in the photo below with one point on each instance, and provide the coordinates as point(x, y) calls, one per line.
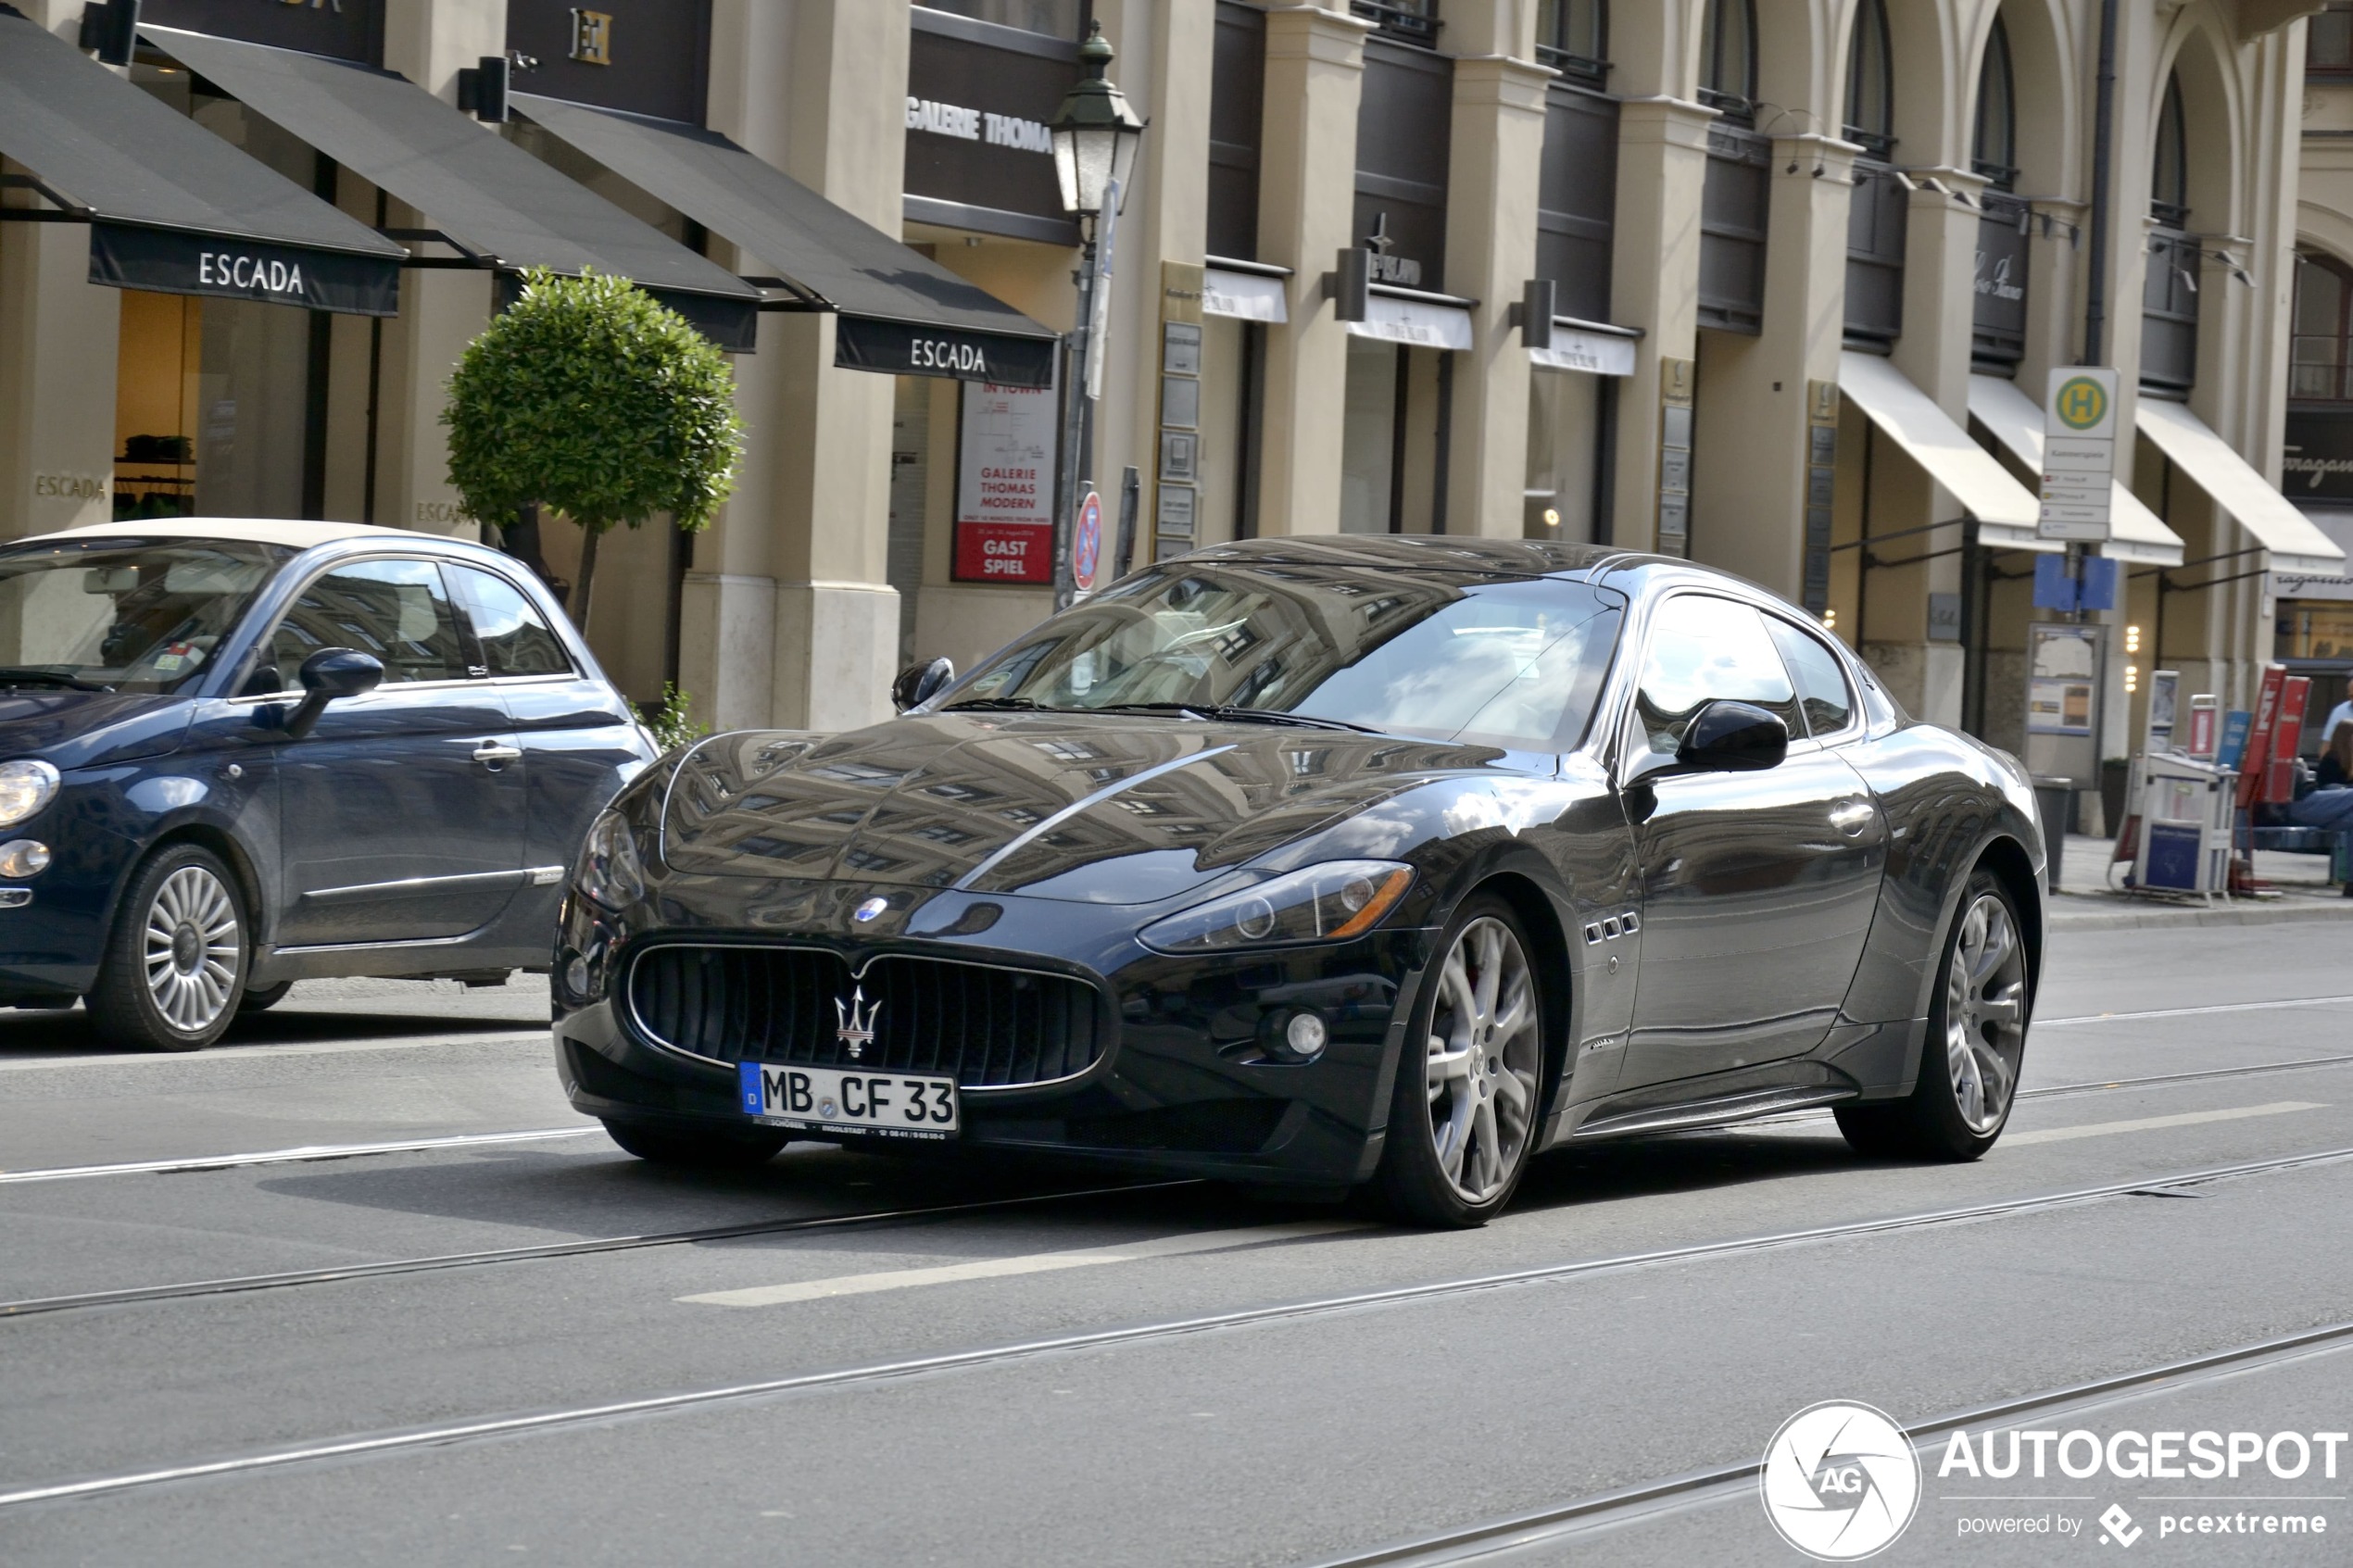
point(501, 1346)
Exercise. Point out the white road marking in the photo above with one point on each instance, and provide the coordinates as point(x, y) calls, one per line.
point(493, 1031)
point(291, 1156)
point(1031, 1263)
point(2151, 1123)
point(2190, 1013)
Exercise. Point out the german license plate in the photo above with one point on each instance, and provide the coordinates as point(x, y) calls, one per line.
point(827, 1099)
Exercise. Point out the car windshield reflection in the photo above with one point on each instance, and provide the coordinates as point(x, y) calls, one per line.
point(121, 614)
point(1513, 663)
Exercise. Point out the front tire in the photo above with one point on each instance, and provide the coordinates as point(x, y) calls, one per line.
point(265, 999)
point(720, 1148)
point(175, 962)
point(1976, 1042)
point(1464, 1116)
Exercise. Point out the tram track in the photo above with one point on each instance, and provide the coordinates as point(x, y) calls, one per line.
point(389, 1443)
point(1721, 1484)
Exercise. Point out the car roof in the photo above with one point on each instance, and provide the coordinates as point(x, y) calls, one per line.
point(291, 532)
point(1525, 558)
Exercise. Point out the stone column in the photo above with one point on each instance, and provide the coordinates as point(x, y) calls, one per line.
point(1306, 196)
point(1662, 168)
point(58, 351)
point(1498, 150)
point(1748, 483)
point(441, 311)
point(788, 616)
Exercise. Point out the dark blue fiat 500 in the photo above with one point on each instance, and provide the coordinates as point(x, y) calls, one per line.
point(238, 754)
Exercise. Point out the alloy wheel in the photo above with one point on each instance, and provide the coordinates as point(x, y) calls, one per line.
point(1985, 1013)
point(1485, 1046)
point(192, 950)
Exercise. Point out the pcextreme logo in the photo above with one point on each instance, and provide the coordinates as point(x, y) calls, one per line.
point(1840, 1482)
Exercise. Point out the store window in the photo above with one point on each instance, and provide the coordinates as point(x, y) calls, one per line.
point(1572, 37)
point(1565, 429)
point(1871, 68)
point(1408, 21)
point(219, 406)
point(1056, 19)
point(1371, 434)
point(1728, 59)
point(2168, 299)
point(1993, 140)
point(2328, 42)
point(2323, 297)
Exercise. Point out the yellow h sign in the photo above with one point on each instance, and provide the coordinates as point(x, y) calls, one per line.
point(2082, 403)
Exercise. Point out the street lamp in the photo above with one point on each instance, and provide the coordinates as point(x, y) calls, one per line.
point(1095, 135)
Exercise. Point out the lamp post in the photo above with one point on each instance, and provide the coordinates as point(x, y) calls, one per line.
point(1095, 135)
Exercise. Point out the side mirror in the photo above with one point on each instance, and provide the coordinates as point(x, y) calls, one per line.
point(328, 675)
point(1732, 737)
point(918, 684)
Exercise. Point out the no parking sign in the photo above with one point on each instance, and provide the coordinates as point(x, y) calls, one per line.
point(1087, 544)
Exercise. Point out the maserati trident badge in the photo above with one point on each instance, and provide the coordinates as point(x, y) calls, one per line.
point(857, 1017)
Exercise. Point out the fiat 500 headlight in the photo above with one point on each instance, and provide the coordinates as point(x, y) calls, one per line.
point(25, 786)
point(1327, 903)
point(609, 872)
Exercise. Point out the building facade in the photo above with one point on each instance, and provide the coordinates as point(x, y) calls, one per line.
point(1776, 285)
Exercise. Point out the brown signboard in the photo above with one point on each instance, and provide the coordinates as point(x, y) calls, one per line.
point(2317, 460)
point(979, 98)
point(644, 57)
point(344, 30)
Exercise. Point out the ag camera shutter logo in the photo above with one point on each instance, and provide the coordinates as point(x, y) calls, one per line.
point(1840, 1482)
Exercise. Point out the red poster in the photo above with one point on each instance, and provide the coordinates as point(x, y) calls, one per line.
point(2258, 736)
point(1004, 552)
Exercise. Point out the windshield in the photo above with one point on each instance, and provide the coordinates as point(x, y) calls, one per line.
point(1513, 663)
point(120, 614)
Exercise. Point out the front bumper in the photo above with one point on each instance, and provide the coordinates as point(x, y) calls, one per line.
point(1186, 1084)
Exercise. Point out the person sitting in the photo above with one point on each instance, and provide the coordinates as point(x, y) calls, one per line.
point(2330, 803)
point(2335, 769)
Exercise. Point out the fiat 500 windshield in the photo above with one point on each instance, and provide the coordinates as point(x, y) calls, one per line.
point(1510, 663)
point(124, 615)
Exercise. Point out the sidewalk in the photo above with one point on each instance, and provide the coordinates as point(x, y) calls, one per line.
point(2086, 900)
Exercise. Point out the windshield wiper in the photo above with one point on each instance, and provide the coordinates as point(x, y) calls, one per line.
point(1010, 704)
point(28, 675)
point(1239, 715)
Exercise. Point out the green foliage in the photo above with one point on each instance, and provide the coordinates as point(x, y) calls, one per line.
point(674, 726)
point(591, 398)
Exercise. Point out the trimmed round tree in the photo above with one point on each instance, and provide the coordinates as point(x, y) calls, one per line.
point(590, 398)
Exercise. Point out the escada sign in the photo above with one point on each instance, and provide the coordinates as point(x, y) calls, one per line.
point(901, 348)
point(168, 261)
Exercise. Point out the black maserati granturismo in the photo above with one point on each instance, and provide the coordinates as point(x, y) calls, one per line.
point(1314, 863)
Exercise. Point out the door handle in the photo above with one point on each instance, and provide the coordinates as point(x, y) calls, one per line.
point(491, 753)
point(1853, 817)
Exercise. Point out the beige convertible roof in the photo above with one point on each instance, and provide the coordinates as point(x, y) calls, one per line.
point(293, 533)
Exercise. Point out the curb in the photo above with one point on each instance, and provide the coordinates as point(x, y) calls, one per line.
point(2158, 917)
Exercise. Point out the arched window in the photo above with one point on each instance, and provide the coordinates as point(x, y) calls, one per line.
point(2323, 297)
point(1870, 72)
point(2170, 177)
point(1727, 58)
point(1572, 37)
point(1994, 145)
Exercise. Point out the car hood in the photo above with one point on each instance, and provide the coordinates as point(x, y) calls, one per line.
point(85, 729)
point(1111, 810)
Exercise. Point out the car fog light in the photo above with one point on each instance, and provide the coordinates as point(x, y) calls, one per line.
point(1305, 1035)
point(576, 975)
point(23, 857)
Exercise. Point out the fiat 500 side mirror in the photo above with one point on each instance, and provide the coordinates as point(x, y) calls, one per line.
point(918, 684)
point(1732, 737)
point(328, 675)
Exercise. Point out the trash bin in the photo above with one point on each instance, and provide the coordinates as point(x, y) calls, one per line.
point(2054, 804)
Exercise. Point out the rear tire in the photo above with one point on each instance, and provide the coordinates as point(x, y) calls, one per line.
point(1976, 1042)
point(1464, 1113)
point(175, 959)
point(717, 1150)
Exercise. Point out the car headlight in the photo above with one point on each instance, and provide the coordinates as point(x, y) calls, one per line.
point(1327, 903)
point(26, 786)
point(609, 872)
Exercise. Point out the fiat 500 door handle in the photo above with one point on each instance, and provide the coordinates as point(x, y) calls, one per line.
point(491, 753)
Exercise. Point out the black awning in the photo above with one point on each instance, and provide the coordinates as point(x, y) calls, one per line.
point(173, 208)
point(487, 195)
point(901, 313)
